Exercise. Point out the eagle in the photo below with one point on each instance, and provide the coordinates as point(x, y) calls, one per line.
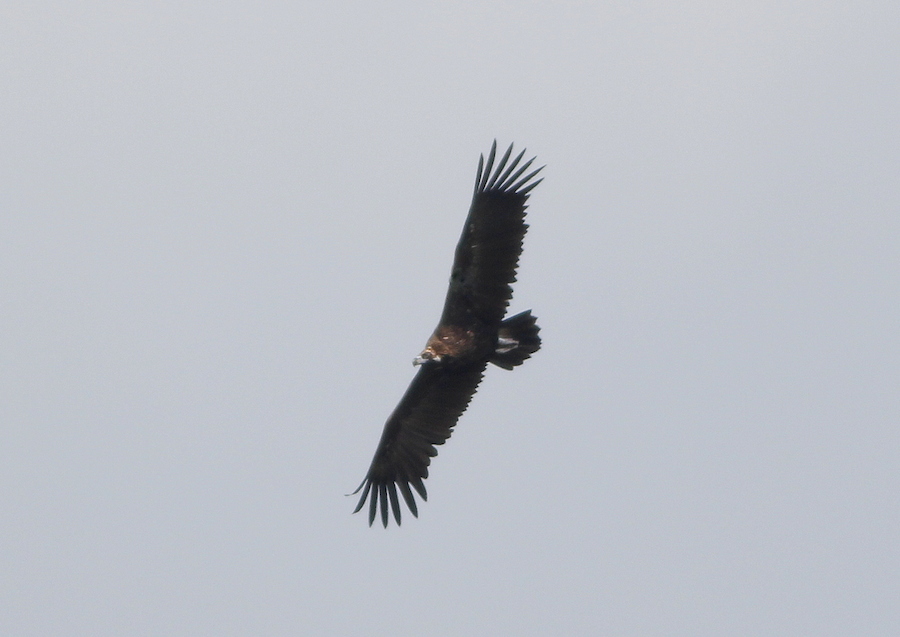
point(472, 332)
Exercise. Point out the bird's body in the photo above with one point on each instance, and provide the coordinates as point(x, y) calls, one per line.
point(472, 332)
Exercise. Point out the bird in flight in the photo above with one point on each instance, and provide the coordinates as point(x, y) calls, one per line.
point(472, 332)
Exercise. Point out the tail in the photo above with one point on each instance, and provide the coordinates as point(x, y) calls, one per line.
point(517, 340)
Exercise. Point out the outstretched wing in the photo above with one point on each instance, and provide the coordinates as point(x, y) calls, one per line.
point(488, 250)
point(424, 418)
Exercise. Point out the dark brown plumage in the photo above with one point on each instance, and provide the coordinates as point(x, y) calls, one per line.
point(471, 333)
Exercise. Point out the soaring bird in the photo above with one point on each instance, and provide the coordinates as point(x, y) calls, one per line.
point(472, 332)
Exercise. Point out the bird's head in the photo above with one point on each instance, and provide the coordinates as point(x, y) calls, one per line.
point(428, 355)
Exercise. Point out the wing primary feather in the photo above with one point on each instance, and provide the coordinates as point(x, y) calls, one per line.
point(419, 486)
point(408, 497)
point(524, 181)
point(362, 498)
point(500, 168)
point(361, 485)
point(511, 168)
point(373, 504)
point(479, 173)
point(510, 180)
point(529, 188)
point(488, 166)
point(383, 496)
point(395, 504)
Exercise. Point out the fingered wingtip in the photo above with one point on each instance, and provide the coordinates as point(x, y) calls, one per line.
point(507, 176)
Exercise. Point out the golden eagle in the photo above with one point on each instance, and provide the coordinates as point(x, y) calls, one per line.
point(472, 333)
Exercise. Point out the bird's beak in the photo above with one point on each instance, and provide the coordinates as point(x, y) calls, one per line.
point(418, 360)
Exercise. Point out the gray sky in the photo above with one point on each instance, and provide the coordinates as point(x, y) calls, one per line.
point(227, 228)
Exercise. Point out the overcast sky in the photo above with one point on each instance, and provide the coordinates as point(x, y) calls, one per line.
point(226, 229)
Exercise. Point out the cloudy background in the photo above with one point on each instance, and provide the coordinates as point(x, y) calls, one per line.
point(226, 229)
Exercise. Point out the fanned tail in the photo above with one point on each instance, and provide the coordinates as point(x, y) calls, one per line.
point(517, 340)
